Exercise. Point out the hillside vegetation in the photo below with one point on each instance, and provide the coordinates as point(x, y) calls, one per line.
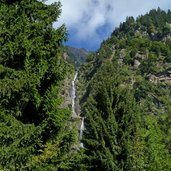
point(127, 98)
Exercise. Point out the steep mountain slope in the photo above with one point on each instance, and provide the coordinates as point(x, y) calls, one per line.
point(126, 102)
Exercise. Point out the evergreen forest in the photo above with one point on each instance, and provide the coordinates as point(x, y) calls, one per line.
point(123, 94)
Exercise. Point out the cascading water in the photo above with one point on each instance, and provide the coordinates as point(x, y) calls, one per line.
point(74, 114)
point(81, 131)
point(73, 95)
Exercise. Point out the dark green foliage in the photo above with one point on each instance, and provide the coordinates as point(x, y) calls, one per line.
point(112, 120)
point(18, 142)
point(31, 73)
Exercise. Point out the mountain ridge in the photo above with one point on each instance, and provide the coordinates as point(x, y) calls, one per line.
point(77, 56)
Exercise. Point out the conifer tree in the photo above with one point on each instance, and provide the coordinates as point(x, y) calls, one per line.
point(112, 120)
point(31, 71)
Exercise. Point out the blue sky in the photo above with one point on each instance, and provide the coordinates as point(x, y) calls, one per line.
point(89, 22)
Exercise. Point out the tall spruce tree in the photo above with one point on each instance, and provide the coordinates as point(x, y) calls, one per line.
point(31, 70)
point(112, 121)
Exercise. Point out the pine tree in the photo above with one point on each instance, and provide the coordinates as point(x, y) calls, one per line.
point(31, 71)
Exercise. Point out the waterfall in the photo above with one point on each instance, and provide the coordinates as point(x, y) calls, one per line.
point(74, 114)
point(81, 131)
point(82, 127)
point(73, 95)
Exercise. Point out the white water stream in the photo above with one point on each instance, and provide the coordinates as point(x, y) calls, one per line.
point(81, 131)
point(73, 95)
point(74, 113)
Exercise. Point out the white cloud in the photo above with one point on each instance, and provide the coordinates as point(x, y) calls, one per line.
point(85, 17)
